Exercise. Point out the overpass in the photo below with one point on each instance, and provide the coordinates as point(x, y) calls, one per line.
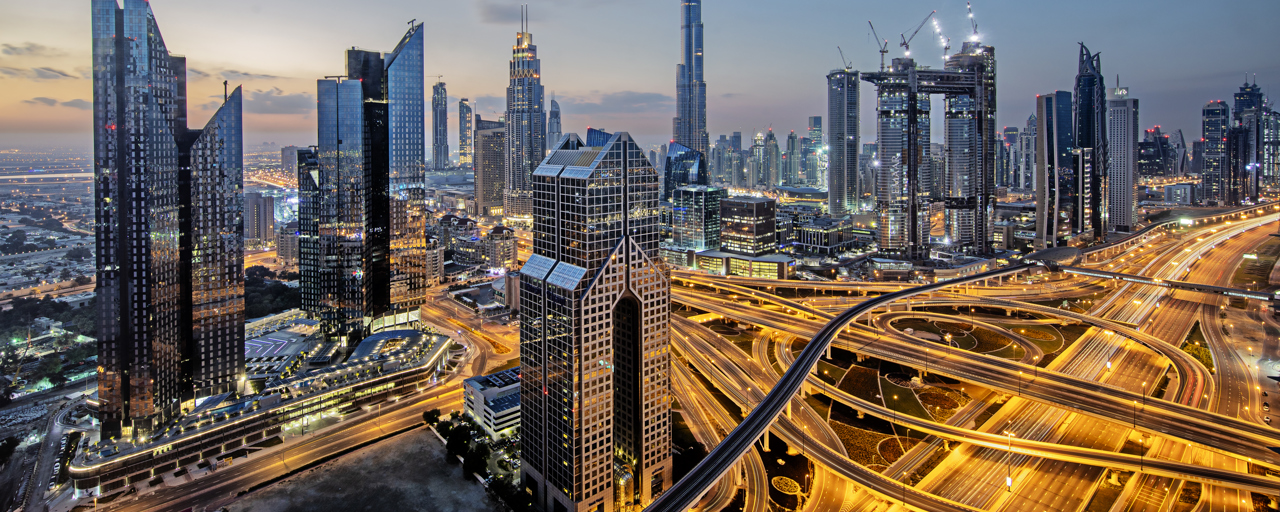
point(1167, 283)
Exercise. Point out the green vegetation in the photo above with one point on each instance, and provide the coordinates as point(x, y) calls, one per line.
point(906, 403)
point(861, 444)
point(1198, 347)
point(820, 403)
point(264, 296)
point(862, 383)
point(14, 323)
point(829, 373)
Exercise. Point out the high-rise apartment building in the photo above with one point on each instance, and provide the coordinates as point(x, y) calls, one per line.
point(289, 160)
point(771, 162)
point(749, 225)
point(1122, 152)
point(1026, 179)
point(439, 127)
point(362, 252)
point(554, 129)
point(844, 186)
point(1238, 183)
point(594, 309)
point(791, 159)
point(466, 135)
point(1008, 169)
point(259, 217)
point(1091, 133)
point(490, 175)
point(1215, 121)
point(813, 161)
point(526, 128)
point(683, 167)
point(169, 230)
point(690, 124)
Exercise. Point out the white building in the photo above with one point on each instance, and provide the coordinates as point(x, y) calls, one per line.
point(1122, 158)
point(493, 401)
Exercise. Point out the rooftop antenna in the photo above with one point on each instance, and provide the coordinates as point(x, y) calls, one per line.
point(884, 46)
point(906, 41)
point(224, 91)
point(972, 22)
point(847, 66)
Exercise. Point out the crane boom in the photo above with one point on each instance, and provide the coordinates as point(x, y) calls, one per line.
point(906, 41)
point(884, 47)
point(972, 22)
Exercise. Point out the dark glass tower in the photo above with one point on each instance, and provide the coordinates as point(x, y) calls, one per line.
point(1091, 133)
point(466, 135)
point(554, 130)
point(1215, 121)
point(844, 186)
point(439, 127)
point(683, 167)
point(690, 124)
point(169, 230)
point(365, 193)
point(971, 141)
point(594, 339)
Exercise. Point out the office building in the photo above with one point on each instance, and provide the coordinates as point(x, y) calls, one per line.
point(1066, 128)
point(968, 184)
point(362, 252)
point(170, 324)
point(554, 130)
point(1239, 176)
point(259, 217)
point(1091, 133)
point(1058, 188)
point(289, 160)
point(439, 127)
point(1215, 121)
point(1122, 151)
point(748, 225)
point(1157, 156)
point(287, 244)
point(790, 162)
point(490, 162)
point(771, 161)
point(695, 217)
point(594, 307)
point(683, 167)
point(1007, 170)
point(1248, 97)
point(689, 128)
point(844, 186)
point(526, 138)
point(1026, 172)
point(493, 401)
point(466, 135)
point(814, 153)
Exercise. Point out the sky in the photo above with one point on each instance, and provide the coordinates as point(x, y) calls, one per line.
point(611, 63)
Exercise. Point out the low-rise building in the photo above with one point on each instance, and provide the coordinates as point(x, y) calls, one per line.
point(493, 401)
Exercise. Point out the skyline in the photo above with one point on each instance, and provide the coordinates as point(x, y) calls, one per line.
point(43, 60)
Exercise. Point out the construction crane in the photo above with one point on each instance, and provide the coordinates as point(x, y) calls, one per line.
point(884, 46)
point(906, 41)
point(847, 64)
point(972, 22)
point(942, 39)
point(438, 77)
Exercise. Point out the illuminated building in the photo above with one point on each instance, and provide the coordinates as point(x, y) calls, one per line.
point(844, 186)
point(439, 127)
point(526, 139)
point(690, 124)
point(466, 135)
point(1122, 150)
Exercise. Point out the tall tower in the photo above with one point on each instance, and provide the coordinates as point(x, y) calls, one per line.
point(170, 327)
point(791, 162)
point(683, 167)
point(439, 127)
point(466, 135)
point(363, 255)
point(690, 124)
point(771, 165)
point(844, 188)
point(1215, 121)
point(971, 141)
point(1122, 151)
point(1091, 133)
point(491, 142)
point(553, 123)
point(1026, 164)
point(595, 303)
point(526, 137)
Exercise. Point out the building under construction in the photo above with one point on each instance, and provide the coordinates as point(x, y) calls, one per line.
point(958, 216)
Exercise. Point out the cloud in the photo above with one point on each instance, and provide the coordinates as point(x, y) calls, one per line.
point(49, 102)
point(30, 49)
point(276, 101)
point(77, 104)
point(197, 73)
point(624, 102)
point(500, 13)
point(232, 74)
point(730, 95)
point(43, 73)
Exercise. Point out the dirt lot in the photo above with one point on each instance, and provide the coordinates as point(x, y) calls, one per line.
point(405, 473)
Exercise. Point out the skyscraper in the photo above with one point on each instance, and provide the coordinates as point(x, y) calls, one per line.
point(695, 217)
point(595, 302)
point(771, 165)
point(439, 127)
point(844, 188)
point(1122, 151)
point(260, 216)
point(1248, 97)
point(1215, 121)
point(749, 225)
point(365, 191)
point(815, 152)
point(791, 161)
point(162, 193)
point(553, 123)
point(683, 167)
point(466, 135)
point(1027, 155)
point(491, 141)
point(971, 141)
point(1058, 210)
point(526, 127)
point(1238, 178)
point(1091, 133)
point(690, 124)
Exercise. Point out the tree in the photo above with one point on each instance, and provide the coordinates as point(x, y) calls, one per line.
point(49, 367)
point(431, 417)
point(65, 275)
point(459, 441)
point(477, 460)
point(83, 280)
point(260, 272)
point(79, 253)
point(7, 448)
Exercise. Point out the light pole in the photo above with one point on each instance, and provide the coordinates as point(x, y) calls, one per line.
point(1008, 459)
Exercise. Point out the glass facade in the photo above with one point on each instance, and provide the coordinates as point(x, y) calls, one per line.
point(844, 186)
point(341, 210)
point(526, 141)
point(466, 134)
point(690, 125)
point(1091, 133)
point(683, 167)
point(695, 217)
point(439, 127)
point(749, 226)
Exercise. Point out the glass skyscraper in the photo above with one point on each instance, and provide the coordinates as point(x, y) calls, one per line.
point(690, 124)
point(844, 186)
point(526, 127)
point(594, 338)
point(1215, 121)
point(554, 130)
point(1091, 133)
point(168, 227)
point(684, 166)
point(439, 127)
point(466, 135)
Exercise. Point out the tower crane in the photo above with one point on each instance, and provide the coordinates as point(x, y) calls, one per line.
point(906, 41)
point(972, 22)
point(884, 46)
point(845, 62)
